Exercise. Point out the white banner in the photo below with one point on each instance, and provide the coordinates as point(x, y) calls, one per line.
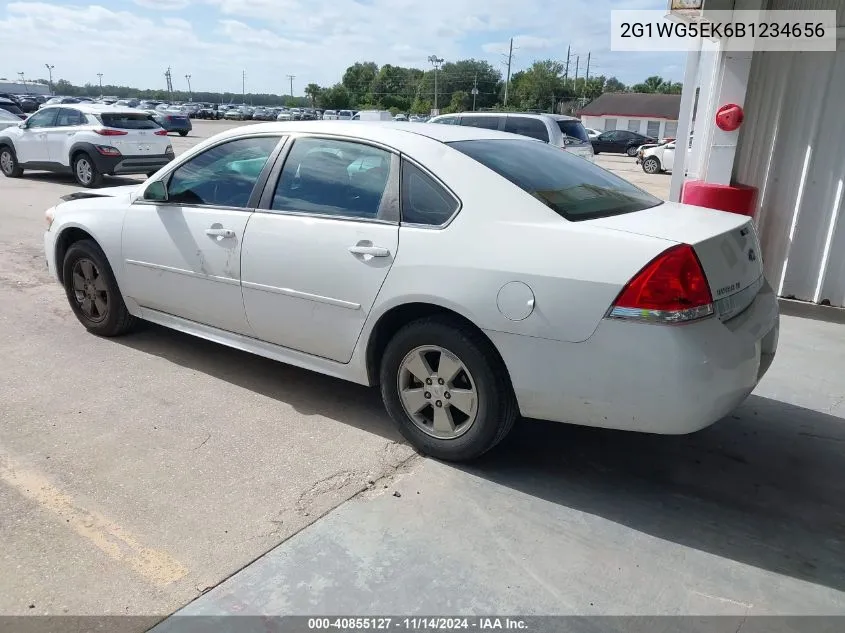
point(650, 31)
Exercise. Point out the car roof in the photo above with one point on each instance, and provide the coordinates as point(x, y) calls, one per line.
point(92, 108)
point(394, 135)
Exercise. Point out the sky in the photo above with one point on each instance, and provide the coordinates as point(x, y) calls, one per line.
point(132, 42)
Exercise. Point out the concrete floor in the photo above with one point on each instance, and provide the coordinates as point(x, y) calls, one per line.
point(136, 473)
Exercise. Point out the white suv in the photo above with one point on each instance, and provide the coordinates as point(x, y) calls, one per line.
point(88, 141)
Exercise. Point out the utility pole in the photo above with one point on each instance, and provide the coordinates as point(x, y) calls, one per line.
point(190, 92)
point(50, 70)
point(474, 91)
point(435, 61)
point(100, 78)
point(291, 78)
point(575, 82)
point(23, 81)
point(243, 87)
point(566, 72)
point(169, 78)
point(508, 80)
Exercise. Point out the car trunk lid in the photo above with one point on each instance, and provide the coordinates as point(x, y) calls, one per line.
point(139, 138)
point(726, 245)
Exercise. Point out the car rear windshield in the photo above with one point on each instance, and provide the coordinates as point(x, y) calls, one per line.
point(128, 121)
point(572, 187)
point(573, 129)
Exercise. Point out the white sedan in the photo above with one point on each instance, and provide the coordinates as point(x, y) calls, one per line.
point(475, 276)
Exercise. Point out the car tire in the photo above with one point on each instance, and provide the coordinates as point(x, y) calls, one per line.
point(441, 428)
point(92, 291)
point(183, 133)
point(631, 151)
point(9, 163)
point(651, 165)
point(85, 171)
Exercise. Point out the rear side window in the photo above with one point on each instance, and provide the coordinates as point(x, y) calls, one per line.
point(69, 117)
point(128, 121)
point(485, 122)
point(527, 126)
point(447, 120)
point(573, 129)
point(573, 188)
point(424, 200)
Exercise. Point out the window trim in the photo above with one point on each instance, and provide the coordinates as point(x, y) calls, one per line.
point(79, 112)
point(393, 182)
point(436, 179)
point(258, 188)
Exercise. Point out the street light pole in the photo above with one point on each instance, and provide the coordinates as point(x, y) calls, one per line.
point(100, 77)
point(190, 93)
point(23, 81)
point(435, 61)
point(243, 87)
point(50, 71)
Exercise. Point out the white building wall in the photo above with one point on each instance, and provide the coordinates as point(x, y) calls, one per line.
point(17, 87)
point(792, 147)
point(640, 124)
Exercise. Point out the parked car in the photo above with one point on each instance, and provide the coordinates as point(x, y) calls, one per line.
point(581, 279)
point(28, 103)
point(7, 119)
point(330, 115)
point(10, 97)
point(372, 115)
point(12, 107)
point(659, 158)
point(415, 119)
point(284, 115)
point(263, 114)
point(61, 100)
point(235, 114)
point(592, 132)
point(127, 103)
point(172, 121)
point(88, 141)
point(620, 142)
point(400, 117)
point(209, 111)
point(561, 131)
point(191, 109)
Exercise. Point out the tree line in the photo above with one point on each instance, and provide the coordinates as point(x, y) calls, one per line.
point(461, 85)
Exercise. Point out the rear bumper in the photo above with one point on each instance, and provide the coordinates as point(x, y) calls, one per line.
point(649, 378)
point(117, 165)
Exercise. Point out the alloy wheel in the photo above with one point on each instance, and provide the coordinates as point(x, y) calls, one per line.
point(437, 392)
point(90, 290)
point(83, 171)
point(7, 163)
point(650, 166)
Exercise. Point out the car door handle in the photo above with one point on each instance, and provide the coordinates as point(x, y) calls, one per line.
point(220, 233)
point(375, 251)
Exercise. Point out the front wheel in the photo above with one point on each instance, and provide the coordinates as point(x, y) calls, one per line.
point(651, 165)
point(631, 151)
point(183, 133)
point(9, 163)
point(446, 389)
point(92, 290)
point(86, 172)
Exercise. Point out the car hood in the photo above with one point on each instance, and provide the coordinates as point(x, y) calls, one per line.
point(105, 192)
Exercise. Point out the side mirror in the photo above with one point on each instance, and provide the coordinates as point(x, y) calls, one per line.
point(156, 191)
point(22, 125)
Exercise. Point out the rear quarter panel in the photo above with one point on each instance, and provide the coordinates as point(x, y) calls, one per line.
point(501, 235)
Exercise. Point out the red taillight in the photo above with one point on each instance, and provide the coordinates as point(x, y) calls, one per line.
point(110, 132)
point(169, 118)
point(672, 288)
point(160, 132)
point(107, 150)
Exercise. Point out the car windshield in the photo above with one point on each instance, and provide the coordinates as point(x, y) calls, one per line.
point(571, 186)
point(128, 120)
point(5, 115)
point(573, 129)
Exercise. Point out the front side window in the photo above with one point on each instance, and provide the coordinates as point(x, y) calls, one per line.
point(485, 122)
point(527, 126)
point(332, 177)
point(424, 200)
point(572, 187)
point(45, 118)
point(224, 175)
point(70, 117)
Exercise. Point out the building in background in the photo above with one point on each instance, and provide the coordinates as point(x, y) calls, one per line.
point(22, 88)
point(651, 114)
point(790, 148)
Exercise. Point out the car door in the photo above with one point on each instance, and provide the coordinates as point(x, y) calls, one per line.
point(68, 123)
point(321, 244)
point(182, 254)
point(604, 141)
point(31, 145)
point(621, 140)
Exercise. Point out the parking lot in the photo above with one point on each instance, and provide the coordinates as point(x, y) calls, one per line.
point(139, 473)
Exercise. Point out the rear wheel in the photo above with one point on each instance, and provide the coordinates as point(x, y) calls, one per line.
point(183, 133)
point(86, 172)
point(9, 163)
point(446, 389)
point(651, 165)
point(631, 151)
point(92, 290)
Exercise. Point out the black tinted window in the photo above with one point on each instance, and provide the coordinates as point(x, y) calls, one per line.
point(11, 107)
point(128, 121)
point(329, 177)
point(424, 201)
point(574, 188)
point(68, 117)
point(223, 175)
point(573, 129)
point(527, 126)
point(486, 122)
point(45, 118)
